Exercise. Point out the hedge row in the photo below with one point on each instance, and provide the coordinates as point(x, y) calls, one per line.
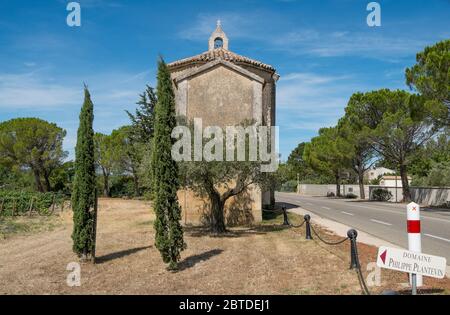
point(19, 203)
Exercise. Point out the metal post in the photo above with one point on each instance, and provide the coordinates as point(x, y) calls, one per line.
point(285, 215)
point(414, 284)
point(308, 227)
point(354, 263)
point(414, 235)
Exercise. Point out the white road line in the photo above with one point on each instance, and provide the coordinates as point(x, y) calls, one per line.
point(326, 208)
point(381, 222)
point(437, 237)
point(348, 213)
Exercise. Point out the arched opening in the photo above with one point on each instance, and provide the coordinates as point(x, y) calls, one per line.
point(218, 43)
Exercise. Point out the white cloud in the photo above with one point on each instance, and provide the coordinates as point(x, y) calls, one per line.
point(307, 102)
point(28, 90)
point(309, 91)
point(252, 26)
point(30, 64)
point(34, 89)
point(343, 43)
point(235, 25)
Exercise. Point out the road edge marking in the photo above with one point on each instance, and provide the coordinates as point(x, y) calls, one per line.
point(381, 222)
point(438, 237)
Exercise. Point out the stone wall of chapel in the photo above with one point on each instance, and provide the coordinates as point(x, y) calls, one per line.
point(221, 97)
point(269, 88)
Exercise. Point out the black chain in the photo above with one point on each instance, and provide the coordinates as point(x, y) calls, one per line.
point(326, 242)
point(298, 226)
point(362, 282)
point(291, 225)
point(358, 269)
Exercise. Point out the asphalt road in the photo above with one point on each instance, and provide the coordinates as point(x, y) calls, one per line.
point(384, 220)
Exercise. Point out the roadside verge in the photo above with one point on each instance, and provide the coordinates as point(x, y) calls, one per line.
point(342, 229)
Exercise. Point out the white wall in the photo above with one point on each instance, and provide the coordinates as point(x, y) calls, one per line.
point(323, 190)
point(425, 196)
point(391, 183)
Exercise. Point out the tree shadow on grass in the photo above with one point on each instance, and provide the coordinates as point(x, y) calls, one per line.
point(279, 206)
point(234, 232)
point(191, 261)
point(121, 254)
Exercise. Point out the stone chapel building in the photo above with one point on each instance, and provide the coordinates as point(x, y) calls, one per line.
point(224, 89)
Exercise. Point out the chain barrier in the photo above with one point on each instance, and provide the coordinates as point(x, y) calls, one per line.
point(327, 242)
point(362, 282)
point(354, 263)
point(298, 226)
point(286, 218)
point(351, 236)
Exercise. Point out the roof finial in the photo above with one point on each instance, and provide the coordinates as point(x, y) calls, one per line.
point(219, 23)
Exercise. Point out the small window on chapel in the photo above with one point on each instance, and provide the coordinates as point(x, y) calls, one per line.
point(218, 43)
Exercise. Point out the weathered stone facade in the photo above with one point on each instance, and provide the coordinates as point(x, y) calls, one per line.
point(224, 89)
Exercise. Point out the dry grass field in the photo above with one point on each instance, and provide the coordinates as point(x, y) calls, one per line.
point(265, 259)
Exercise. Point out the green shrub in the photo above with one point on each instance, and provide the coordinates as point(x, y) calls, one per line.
point(290, 186)
point(381, 194)
point(351, 196)
point(122, 187)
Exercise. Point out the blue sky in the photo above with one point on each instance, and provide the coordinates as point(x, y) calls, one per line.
point(323, 50)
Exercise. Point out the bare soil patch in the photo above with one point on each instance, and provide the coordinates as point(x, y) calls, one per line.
point(264, 259)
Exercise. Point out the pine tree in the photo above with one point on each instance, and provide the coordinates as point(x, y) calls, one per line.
point(143, 120)
point(140, 139)
point(84, 186)
point(169, 232)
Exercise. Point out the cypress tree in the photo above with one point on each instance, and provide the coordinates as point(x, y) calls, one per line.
point(169, 232)
point(84, 196)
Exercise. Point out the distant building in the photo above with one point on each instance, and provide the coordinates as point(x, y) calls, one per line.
point(377, 172)
point(393, 181)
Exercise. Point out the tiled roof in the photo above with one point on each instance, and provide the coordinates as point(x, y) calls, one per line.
point(217, 54)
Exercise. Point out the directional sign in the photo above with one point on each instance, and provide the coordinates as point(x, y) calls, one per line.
point(411, 262)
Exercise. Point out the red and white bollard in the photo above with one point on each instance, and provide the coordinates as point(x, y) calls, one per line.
point(414, 234)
